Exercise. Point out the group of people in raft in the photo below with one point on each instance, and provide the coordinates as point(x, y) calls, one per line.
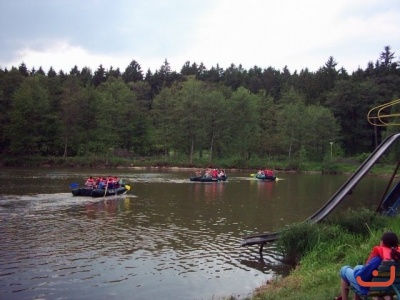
point(388, 249)
point(101, 182)
point(210, 173)
point(266, 172)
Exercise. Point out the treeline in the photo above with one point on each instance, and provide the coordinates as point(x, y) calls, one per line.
point(211, 113)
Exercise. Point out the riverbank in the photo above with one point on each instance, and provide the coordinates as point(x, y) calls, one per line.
point(152, 162)
point(339, 241)
point(336, 166)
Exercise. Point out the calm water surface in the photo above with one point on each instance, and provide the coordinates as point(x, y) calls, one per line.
point(169, 238)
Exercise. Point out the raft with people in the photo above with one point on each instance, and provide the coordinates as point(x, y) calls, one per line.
point(266, 175)
point(101, 187)
point(209, 175)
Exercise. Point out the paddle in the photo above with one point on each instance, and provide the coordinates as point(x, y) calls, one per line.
point(128, 187)
point(105, 192)
point(74, 185)
point(253, 175)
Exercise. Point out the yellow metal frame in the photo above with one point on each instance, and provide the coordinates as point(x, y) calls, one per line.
point(377, 114)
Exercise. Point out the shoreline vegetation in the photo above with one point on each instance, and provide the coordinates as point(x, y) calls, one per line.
point(318, 251)
point(328, 166)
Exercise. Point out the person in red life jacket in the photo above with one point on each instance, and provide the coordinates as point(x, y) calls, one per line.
point(388, 249)
point(90, 183)
point(269, 173)
point(214, 173)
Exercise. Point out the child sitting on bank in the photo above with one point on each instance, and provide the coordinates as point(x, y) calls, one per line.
point(388, 249)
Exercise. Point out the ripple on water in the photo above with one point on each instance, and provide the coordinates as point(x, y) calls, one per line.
point(55, 245)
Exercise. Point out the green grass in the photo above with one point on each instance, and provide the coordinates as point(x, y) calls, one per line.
point(321, 250)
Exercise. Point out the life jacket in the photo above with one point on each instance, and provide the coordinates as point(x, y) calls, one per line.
point(89, 182)
point(383, 252)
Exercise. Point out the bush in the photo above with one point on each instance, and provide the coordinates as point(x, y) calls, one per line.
point(300, 239)
point(359, 222)
point(297, 240)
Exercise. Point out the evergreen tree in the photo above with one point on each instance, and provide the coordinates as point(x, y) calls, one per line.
point(75, 71)
point(23, 70)
point(386, 58)
point(86, 76)
point(99, 76)
point(40, 72)
point(133, 72)
point(51, 72)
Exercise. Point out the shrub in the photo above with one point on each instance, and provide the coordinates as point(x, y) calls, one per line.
point(357, 222)
point(300, 239)
point(297, 240)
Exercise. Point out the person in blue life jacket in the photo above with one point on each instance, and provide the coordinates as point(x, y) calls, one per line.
point(388, 249)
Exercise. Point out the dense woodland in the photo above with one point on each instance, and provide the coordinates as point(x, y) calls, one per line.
point(197, 112)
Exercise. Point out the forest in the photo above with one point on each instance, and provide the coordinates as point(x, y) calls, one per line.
point(209, 114)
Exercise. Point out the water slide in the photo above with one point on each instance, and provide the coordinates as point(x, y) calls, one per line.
point(329, 206)
point(391, 202)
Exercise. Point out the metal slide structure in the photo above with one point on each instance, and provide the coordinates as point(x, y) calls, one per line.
point(329, 206)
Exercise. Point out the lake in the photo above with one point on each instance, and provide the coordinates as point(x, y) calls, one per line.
point(168, 238)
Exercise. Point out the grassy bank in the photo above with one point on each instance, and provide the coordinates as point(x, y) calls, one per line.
point(338, 165)
point(320, 250)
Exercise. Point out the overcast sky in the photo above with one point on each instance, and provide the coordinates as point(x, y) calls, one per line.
point(298, 34)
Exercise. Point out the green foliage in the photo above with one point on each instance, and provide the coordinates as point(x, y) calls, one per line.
point(330, 165)
point(359, 223)
point(30, 117)
point(362, 157)
point(233, 162)
point(299, 239)
point(236, 115)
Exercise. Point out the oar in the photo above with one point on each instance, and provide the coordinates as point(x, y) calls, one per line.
point(128, 187)
point(279, 178)
point(105, 192)
point(74, 185)
point(253, 175)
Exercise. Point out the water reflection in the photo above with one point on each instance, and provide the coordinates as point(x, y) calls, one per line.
point(209, 191)
point(111, 206)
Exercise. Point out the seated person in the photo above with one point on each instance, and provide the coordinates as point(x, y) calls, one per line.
point(110, 182)
point(90, 183)
point(102, 183)
point(388, 249)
